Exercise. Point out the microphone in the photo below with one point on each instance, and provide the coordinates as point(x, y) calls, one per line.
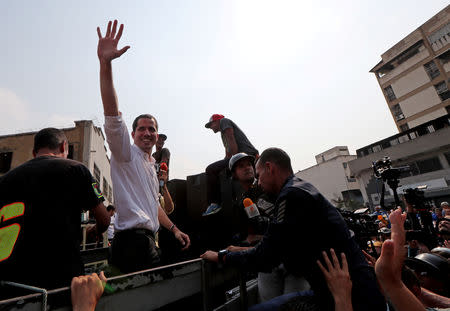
point(250, 208)
point(162, 167)
point(382, 219)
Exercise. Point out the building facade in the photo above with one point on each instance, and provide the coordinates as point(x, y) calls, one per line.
point(414, 74)
point(86, 145)
point(424, 151)
point(332, 177)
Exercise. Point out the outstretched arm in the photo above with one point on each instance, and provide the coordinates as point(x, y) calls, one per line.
point(107, 51)
point(389, 266)
point(338, 280)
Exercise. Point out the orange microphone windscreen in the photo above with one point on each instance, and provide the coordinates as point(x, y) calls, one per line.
point(248, 202)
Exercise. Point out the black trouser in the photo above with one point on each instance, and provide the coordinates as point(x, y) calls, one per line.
point(134, 250)
point(212, 180)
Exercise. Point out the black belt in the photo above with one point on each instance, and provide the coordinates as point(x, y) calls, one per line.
point(137, 231)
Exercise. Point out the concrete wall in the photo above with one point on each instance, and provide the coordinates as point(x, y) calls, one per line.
point(101, 159)
point(420, 101)
point(21, 145)
point(332, 153)
point(402, 45)
point(406, 65)
point(96, 153)
point(423, 147)
point(330, 177)
point(428, 117)
point(410, 82)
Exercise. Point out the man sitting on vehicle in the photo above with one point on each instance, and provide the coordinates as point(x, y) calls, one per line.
point(234, 140)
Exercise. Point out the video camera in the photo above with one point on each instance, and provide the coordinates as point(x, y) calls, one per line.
point(363, 225)
point(416, 198)
point(383, 169)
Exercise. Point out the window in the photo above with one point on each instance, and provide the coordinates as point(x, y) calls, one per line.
point(397, 112)
point(5, 161)
point(389, 93)
point(70, 155)
point(344, 164)
point(385, 144)
point(376, 148)
point(429, 165)
point(105, 187)
point(445, 57)
point(97, 173)
point(442, 90)
point(403, 139)
point(351, 179)
point(404, 127)
point(432, 70)
point(447, 156)
point(413, 135)
point(110, 194)
point(430, 128)
point(414, 169)
point(394, 142)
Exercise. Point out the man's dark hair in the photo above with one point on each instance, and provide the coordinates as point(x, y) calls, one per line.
point(110, 208)
point(50, 138)
point(144, 116)
point(278, 157)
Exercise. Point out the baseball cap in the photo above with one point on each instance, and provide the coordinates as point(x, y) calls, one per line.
point(213, 118)
point(238, 156)
point(162, 136)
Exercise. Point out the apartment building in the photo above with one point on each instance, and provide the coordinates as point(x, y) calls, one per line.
point(86, 145)
point(425, 149)
point(331, 175)
point(414, 74)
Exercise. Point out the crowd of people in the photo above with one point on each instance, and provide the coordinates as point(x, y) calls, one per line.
point(294, 238)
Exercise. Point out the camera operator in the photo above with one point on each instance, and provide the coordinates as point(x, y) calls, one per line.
point(419, 220)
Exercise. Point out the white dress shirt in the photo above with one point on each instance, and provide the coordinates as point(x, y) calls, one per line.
point(134, 180)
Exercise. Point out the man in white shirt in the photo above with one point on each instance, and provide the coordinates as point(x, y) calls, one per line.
point(135, 181)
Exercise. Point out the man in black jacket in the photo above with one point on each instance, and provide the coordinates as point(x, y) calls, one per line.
point(304, 225)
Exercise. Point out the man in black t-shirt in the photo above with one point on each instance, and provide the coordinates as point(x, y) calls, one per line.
point(234, 141)
point(40, 208)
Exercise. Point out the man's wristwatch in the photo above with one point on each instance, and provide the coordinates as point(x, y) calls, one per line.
point(221, 254)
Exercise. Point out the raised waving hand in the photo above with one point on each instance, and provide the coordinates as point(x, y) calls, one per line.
point(107, 45)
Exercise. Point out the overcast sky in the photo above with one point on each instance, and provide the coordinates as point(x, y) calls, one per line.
point(291, 74)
